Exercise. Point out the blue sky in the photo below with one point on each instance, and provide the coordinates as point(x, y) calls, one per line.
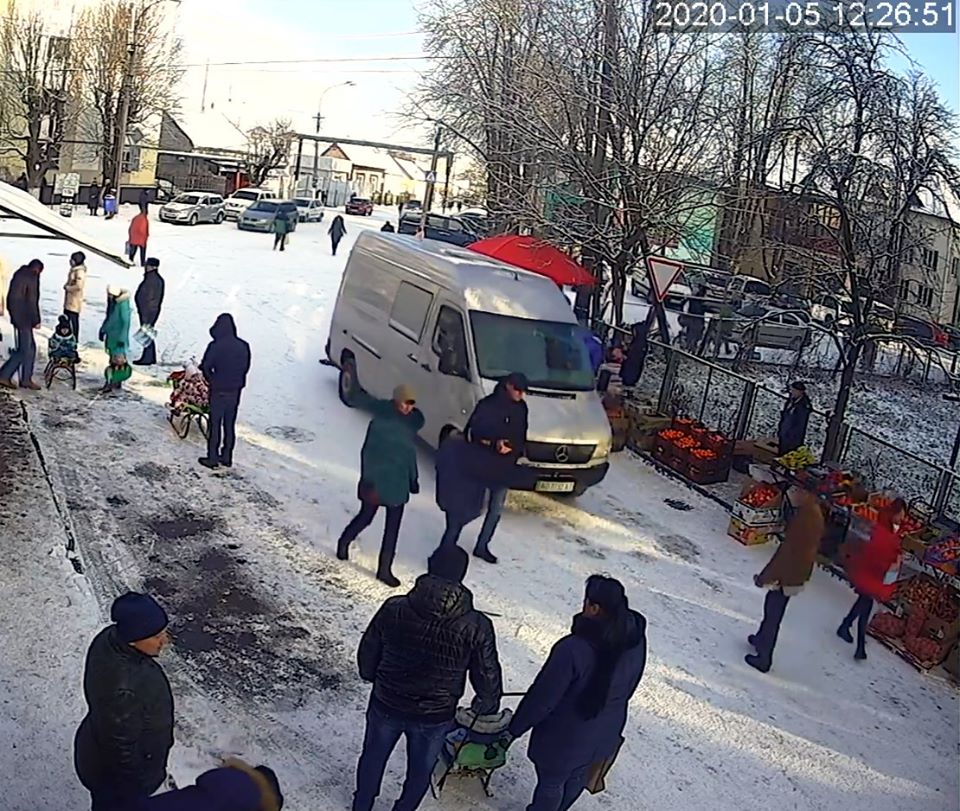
point(245, 30)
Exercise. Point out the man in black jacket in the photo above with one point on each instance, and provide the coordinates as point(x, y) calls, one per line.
point(499, 423)
point(23, 304)
point(149, 300)
point(792, 432)
point(417, 652)
point(225, 365)
point(121, 747)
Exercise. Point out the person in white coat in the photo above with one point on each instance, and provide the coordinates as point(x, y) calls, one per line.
point(73, 291)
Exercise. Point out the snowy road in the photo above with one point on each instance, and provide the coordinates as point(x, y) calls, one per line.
point(267, 620)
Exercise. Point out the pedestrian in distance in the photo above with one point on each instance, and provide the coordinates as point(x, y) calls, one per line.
point(388, 228)
point(110, 205)
point(577, 705)
point(22, 183)
point(787, 572)
point(122, 744)
point(281, 229)
point(149, 301)
point(23, 305)
point(234, 786)
point(336, 231)
point(115, 334)
point(73, 290)
point(143, 200)
point(632, 368)
point(225, 365)
point(137, 236)
point(792, 431)
point(93, 199)
point(417, 653)
point(873, 568)
point(499, 424)
point(388, 473)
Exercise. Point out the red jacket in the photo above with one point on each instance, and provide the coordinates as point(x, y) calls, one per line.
point(871, 562)
point(139, 231)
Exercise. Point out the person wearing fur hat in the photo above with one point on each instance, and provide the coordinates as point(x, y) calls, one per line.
point(388, 472)
point(122, 744)
point(235, 786)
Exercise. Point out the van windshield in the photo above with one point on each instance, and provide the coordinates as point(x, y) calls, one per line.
point(552, 355)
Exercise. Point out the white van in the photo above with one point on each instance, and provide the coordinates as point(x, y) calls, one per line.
point(242, 199)
point(451, 323)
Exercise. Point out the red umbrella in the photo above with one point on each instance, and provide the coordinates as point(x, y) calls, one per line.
point(533, 254)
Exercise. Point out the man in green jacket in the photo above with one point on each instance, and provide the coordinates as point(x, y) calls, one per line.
point(388, 473)
point(281, 227)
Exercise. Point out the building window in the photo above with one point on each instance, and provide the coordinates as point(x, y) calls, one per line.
point(956, 266)
point(929, 259)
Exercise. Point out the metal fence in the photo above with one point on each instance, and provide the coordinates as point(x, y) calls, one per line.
point(680, 382)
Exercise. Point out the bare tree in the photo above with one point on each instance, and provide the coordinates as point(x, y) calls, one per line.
point(127, 49)
point(37, 85)
point(268, 148)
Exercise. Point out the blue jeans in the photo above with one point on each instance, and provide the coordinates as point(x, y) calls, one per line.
point(424, 743)
point(498, 498)
point(22, 358)
point(558, 791)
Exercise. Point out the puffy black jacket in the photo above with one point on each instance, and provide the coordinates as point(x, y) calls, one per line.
point(149, 297)
point(23, 299)
point(419, 647)
point(227, 360)
point(497, 417)
point(126, 735)
point(792, 431)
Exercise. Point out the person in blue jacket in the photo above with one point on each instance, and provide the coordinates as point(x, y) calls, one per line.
point(577, 705)
point(235, 786)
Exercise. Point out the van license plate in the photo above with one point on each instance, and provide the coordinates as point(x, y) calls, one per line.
point(554, 487)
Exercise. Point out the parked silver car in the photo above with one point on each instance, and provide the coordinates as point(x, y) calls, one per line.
point(771, 329)
point(192, 208)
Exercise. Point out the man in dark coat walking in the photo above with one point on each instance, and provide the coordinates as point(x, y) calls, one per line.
point(225, 365)
point(149, 300)
point(417, 652)
point(23, 305)
point(792, 433)
point(122, 744)
point(499, 424)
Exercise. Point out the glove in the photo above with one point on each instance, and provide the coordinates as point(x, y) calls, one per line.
point(414, 488)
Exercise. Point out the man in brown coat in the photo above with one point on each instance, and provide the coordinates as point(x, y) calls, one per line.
point(785, 575)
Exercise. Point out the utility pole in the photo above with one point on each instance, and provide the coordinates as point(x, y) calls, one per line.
point(124, 115)
point(316, 150)
point(431, 181)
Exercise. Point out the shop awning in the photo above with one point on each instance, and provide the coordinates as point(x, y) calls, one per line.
point(27, 208)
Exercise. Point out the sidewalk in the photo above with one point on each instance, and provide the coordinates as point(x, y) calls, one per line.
point(49, 615)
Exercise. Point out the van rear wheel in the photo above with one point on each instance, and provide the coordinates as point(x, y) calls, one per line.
point(348, 382)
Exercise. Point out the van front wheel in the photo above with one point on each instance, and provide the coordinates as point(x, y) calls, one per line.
point(348, 381)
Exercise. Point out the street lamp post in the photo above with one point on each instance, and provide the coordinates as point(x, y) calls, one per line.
point(316, 143)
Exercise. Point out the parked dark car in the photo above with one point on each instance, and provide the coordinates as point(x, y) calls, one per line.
point(438, 227)
point(359, 205)
point(953, 336)
point(476, 220)
point(923, 332)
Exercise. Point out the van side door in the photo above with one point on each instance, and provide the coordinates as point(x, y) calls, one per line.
point(455, 383)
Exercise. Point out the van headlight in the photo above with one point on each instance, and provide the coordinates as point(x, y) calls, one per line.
point(602, 451)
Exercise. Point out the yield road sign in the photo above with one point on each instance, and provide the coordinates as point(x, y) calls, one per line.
point(663, 272)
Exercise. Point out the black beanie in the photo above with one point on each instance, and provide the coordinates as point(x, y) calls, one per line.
point(450, 563)
point(137, 616)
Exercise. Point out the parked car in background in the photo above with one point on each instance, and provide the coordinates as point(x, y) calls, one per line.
point(745, 288)
point(476, 219)
point(193, 208)
point(240, 200)
point(438, 227)
point(310, 210)
point(924, 332)
point(412, 205)
point(260, 215)
point(837, 308)
point(770, 328)
point(953, 336)
point(359, 205)
point(677, 294)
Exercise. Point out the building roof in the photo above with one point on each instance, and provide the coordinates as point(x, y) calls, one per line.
point(211, 130)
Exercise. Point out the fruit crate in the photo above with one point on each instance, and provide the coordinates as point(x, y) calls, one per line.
point(711, 471)
point(750, 535)
point(757, 516)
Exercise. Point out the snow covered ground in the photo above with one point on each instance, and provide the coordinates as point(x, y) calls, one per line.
point(267, 620)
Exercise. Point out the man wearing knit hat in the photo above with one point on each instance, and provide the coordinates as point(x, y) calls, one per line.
point(388, 472)
point(121, 746)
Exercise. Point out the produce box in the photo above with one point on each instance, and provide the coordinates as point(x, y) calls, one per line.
point(752, 535)
point(942, 630)
point(913, 543)
point(758, 504)
point(644, 428)
point(743, 447)
point(765, 451)
point(707, 471)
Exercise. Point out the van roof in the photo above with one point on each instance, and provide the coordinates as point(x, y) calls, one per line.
point(486, 284)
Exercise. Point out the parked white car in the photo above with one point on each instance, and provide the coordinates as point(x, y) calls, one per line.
point(242, 199)
point(311, 210)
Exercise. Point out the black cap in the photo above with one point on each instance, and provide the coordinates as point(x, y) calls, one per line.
point(799, 385)
point(449, 562)
point(152, 262)
point(518, 380)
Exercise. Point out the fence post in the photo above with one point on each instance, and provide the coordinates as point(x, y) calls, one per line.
point(945, 483)
point(669, 378)
point(745, 414)
point(706, 393)
point(843, 444)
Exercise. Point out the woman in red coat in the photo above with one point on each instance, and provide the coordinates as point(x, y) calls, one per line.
point(867, 570)
point(137, 237)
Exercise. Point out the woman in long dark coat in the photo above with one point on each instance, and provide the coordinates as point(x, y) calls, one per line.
point(336, 231)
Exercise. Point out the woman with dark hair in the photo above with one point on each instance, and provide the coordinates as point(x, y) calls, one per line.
point(872, 569)
point(577, 705)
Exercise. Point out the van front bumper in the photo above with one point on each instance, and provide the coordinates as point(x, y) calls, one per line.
point(559, 479)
